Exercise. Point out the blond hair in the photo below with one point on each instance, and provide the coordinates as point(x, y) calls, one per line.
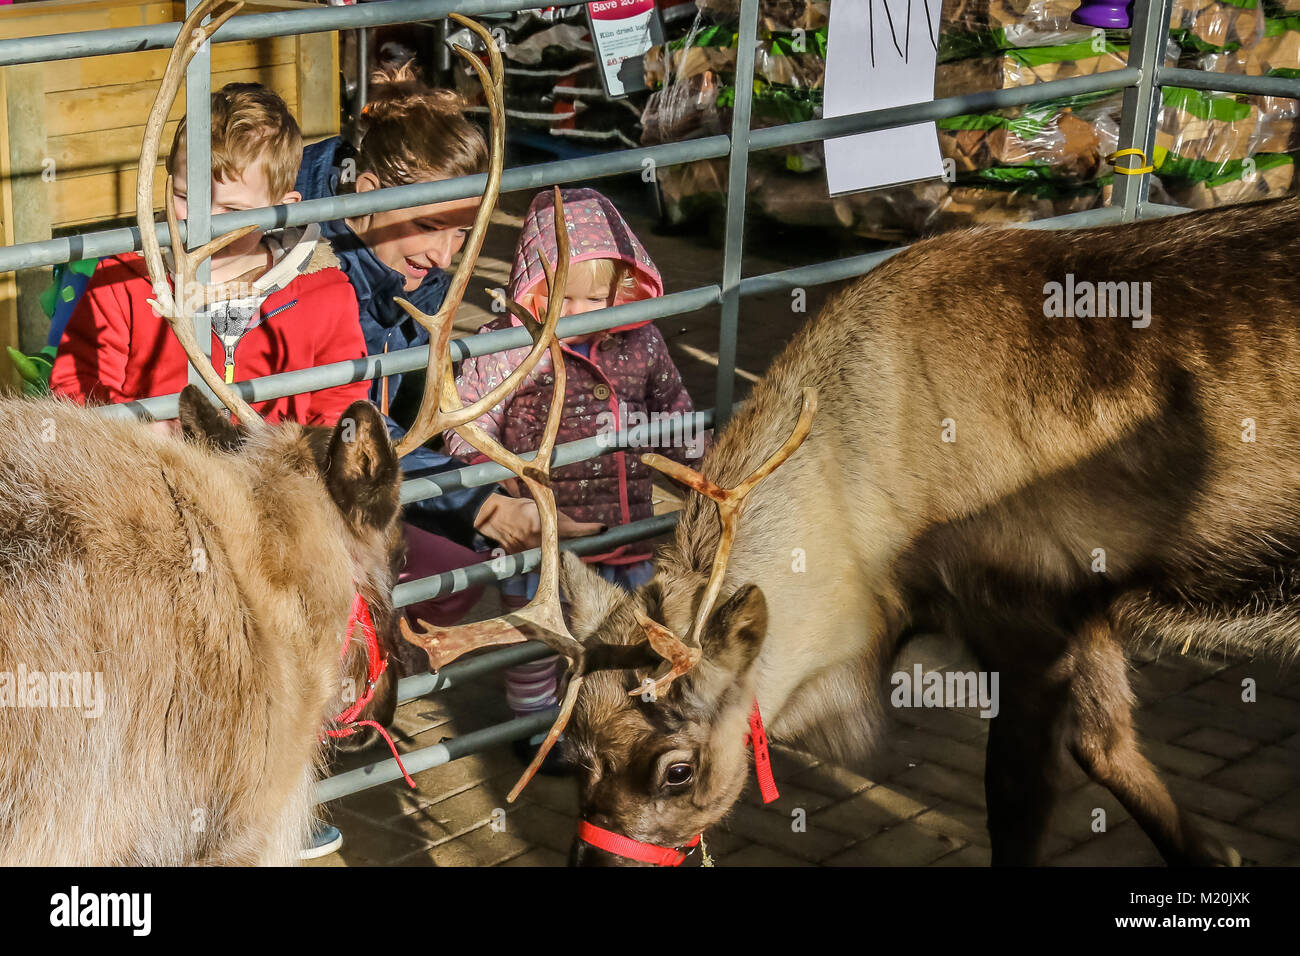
point(615, 272)
point(250, 124)
point(411, 133)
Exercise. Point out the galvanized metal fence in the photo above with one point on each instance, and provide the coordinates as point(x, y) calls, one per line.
point(1140, 80)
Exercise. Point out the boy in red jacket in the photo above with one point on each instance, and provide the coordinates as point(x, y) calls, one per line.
point(298, 309)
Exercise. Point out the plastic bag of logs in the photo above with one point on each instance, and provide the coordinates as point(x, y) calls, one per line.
point(773, 15)
point(1276, 53)
point(1214, 26)
point(1064, 141)
point(980, 27)
point(1012, 68)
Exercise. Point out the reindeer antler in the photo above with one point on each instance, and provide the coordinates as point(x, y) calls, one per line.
point(731, 505)
point(440, 409)
point(178, 308)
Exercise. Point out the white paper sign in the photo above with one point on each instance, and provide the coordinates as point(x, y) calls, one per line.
point(881, 53)
point(622, 30)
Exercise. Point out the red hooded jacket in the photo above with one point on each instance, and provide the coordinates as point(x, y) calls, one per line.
point(117, 349)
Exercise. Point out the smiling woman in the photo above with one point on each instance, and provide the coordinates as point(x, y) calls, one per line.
point(410, 134)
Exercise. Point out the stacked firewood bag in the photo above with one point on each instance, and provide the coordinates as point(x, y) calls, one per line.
point(551, 80)
point(1011, 165)
point(1215, 149)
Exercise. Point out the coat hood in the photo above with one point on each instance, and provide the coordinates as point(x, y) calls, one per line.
point(596, 231)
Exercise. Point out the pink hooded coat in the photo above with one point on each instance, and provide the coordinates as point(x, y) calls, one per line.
point(629, 371)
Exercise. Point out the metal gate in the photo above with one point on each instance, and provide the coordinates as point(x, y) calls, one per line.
point(1140, 80)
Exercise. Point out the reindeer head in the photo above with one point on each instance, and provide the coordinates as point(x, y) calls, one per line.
point(660, 769)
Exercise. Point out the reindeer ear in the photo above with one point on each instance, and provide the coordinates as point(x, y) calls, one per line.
point(590, 596)
point(361, 471)
point(202, 422)
point(734, 635)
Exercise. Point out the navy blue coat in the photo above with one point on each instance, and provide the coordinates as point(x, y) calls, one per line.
point(383, 322)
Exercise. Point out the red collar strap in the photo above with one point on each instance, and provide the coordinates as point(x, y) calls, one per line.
point(376, 664)
point(630, 849)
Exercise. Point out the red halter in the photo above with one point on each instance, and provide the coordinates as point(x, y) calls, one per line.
point(376, 664)
point(630, 849)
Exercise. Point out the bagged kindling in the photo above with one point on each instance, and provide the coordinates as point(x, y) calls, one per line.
point(1063, 141)
point(1276, 53)
point(773, 15)
point(1013, 68)
point(981, 27)
point(1266, 176)
point(1198, 132)
point(1216, 25)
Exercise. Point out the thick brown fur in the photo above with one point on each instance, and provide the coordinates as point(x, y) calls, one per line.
point(210, 590)
point(1072, 435)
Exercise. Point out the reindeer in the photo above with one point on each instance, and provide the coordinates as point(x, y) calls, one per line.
point(209, 585)
point(1072, 434)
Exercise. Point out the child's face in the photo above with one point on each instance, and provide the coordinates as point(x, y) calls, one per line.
point(412, 242)
point(250, 190)
point(582, 293)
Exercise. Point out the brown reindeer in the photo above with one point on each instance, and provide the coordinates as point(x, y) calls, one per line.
point(976, 448)
point(190, 598)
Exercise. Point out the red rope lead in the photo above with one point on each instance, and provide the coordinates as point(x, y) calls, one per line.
point(757, 737)
point(376, 664)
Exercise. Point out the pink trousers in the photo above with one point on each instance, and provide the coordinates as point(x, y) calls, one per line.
point(428, 554)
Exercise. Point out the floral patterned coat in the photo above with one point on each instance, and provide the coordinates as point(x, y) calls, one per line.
point(629, 374)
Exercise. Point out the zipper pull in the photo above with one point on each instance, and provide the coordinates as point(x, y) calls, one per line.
point(230, 363)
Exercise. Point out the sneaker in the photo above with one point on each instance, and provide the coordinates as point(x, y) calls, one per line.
point(325, 839)
point(525, 749)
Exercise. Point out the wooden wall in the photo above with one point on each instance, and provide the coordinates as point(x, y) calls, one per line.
point(70, 130)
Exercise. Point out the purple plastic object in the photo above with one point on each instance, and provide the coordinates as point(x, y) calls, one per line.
point(1108, 15)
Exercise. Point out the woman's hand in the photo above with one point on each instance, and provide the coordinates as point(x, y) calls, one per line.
point(515, 524)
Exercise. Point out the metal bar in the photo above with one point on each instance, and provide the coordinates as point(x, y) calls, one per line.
point(457, 672)
point(1137, 128)
point(341, 373)
point(737, 186)
point(110, 242)
point(198, 181)
point(256, 26)
point(813, 130)
point(363, 69)
point(510, 565)
point(1228, 83)
point(678, 303)
point(648, 437)
point(426, 758)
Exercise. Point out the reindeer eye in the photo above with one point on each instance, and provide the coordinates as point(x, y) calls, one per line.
point(678, 775)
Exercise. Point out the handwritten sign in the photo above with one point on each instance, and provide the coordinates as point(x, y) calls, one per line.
point(881, 53)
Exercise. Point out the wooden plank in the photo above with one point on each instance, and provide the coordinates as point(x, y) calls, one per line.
point(51, 16)
point(101, 151)
point(148, 67)
point(110, 107)
point(32, 182)
point(104, 196)
point(318, 85)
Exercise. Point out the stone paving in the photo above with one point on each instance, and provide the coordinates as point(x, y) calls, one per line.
point(920, 800)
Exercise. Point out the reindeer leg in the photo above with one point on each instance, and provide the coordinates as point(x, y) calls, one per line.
point(1021, 766)
point(1102, 740)
point(1020, 638)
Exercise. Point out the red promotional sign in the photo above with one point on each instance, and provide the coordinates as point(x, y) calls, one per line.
point(622, 30)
